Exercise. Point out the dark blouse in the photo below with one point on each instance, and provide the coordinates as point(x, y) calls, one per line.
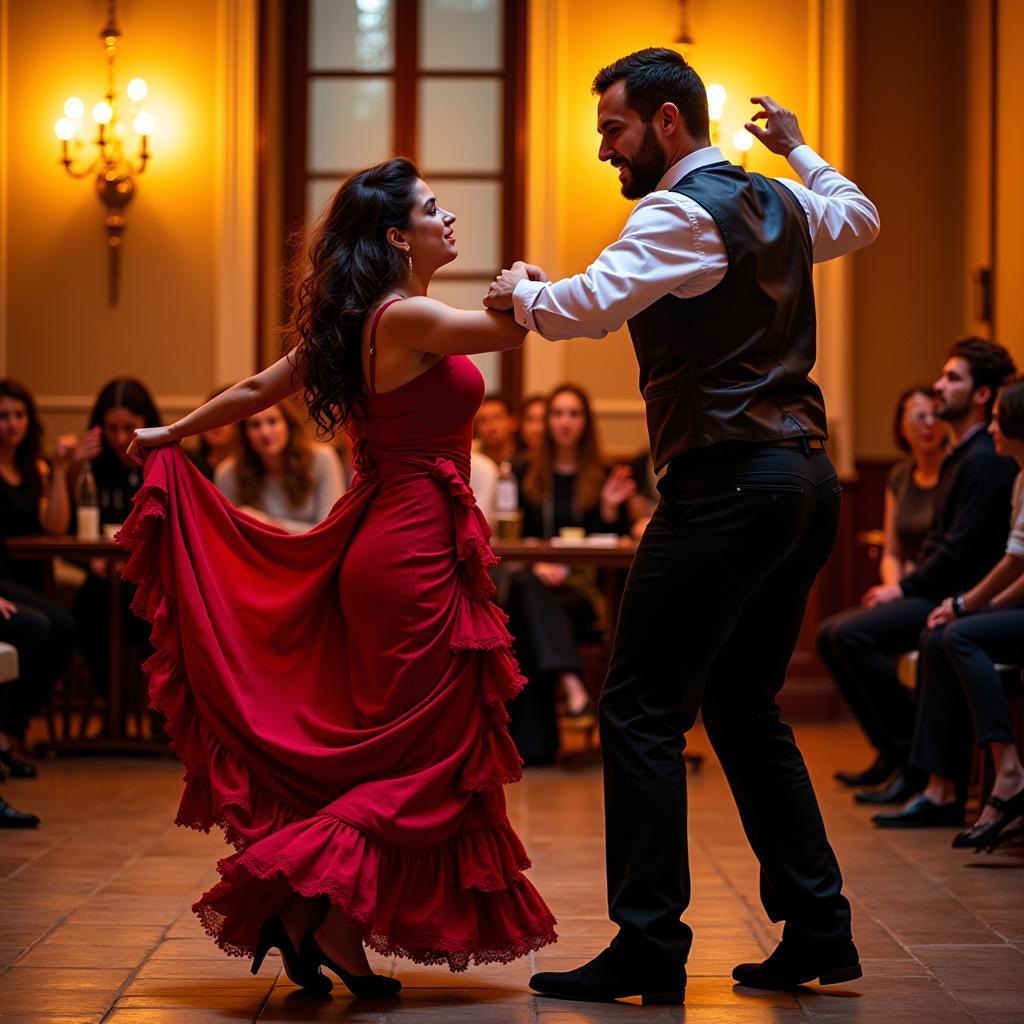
point(561, 509)
point(915, 508)
point(116, 484)
point(19, 517)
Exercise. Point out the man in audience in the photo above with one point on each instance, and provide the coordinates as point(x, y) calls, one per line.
point(972, 505)
point(958, 681)
point(495, 429)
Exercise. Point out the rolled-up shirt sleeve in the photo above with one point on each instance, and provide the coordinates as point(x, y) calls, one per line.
point(660, 248)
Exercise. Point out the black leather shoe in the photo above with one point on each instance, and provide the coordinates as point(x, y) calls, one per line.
point(10, 818)
point(899, 789)
point(15, 767)
point(788, 970)
point(611, 976)
point(988, 836)
point(922, 813)
point(879, 772)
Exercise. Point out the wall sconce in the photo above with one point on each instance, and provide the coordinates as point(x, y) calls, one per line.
point(743, 140)
point(716, 106)
point(115, 172)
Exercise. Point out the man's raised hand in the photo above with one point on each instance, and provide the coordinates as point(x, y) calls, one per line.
point(781, 132)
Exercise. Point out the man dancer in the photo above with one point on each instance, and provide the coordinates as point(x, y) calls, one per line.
point(713, 273)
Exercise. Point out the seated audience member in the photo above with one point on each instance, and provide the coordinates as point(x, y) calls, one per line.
point(34, 497)
point(280, 475)
point(550, 605)
point(645, 501)
point(910, 489)
point(494, 428)
point(121, 407)
point(966, 538)
point(968, 635)
point(33, 500)
point(909, 509)
point(215, 446)
point(530, 431)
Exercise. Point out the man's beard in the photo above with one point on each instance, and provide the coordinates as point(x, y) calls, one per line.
point(647, 166)
point(950, 412)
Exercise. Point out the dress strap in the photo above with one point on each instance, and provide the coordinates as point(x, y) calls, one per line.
point(373, 342)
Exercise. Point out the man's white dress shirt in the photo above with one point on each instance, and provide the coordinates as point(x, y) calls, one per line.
point(671, 244)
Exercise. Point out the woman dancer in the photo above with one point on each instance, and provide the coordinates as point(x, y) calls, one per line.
point(338, 696)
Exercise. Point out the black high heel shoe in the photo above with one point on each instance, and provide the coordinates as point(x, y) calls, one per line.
point(991, 834)
point(366, 986)
point(299, 969)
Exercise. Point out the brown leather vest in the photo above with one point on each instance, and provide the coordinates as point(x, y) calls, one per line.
point(733, 364)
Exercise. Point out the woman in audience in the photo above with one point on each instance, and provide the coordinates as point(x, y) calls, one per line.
point(33, 500)
point(970, 633)
point(215, 446)
point(494, 429)
point(530, 431)
point(279, 474)
point(565, 484)
point(909, 503)
point(122, 406)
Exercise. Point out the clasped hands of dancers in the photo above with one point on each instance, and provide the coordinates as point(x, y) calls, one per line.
point(366, 803)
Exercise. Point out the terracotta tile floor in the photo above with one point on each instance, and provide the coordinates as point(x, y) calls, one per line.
point(95, 922)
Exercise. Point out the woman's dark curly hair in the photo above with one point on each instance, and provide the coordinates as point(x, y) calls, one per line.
point(29, 452)
point(350, 265)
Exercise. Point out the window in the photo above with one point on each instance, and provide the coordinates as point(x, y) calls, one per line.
point(440, 81)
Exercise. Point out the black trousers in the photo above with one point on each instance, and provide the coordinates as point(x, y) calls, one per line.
point(959, 687)
point(44, 635)
point(859, 647)
point(710, 615)
point(546, 622)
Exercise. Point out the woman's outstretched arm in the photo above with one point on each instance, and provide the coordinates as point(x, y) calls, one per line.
point(247, 397)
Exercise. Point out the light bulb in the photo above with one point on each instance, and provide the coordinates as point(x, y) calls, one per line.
point(137, 90)
point(144, 123)
point(74, 108)
point(743, 140)
point(716, 101)
point(65, 129)
point(102, 113)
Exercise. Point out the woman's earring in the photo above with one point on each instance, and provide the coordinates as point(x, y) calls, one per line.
point(408, 256)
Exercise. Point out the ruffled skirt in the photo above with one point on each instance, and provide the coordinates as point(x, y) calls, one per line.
point(337, 700)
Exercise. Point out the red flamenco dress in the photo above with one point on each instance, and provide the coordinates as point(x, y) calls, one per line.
point(337, 697)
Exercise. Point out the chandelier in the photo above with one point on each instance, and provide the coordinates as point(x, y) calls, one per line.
point(106, 156)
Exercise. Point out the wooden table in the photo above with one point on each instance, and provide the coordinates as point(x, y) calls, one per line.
point(113, 738)
point(616, 558)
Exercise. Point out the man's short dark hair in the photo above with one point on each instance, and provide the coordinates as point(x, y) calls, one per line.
point(1011, 410)
point(496, 396)
point(655, 76)
point(988, 363)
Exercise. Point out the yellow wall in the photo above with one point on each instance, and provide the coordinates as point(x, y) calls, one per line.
point(910, 294)
point(1009, 309)
point(62, 337)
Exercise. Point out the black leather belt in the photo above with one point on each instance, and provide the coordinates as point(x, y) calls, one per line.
point(803, 443)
